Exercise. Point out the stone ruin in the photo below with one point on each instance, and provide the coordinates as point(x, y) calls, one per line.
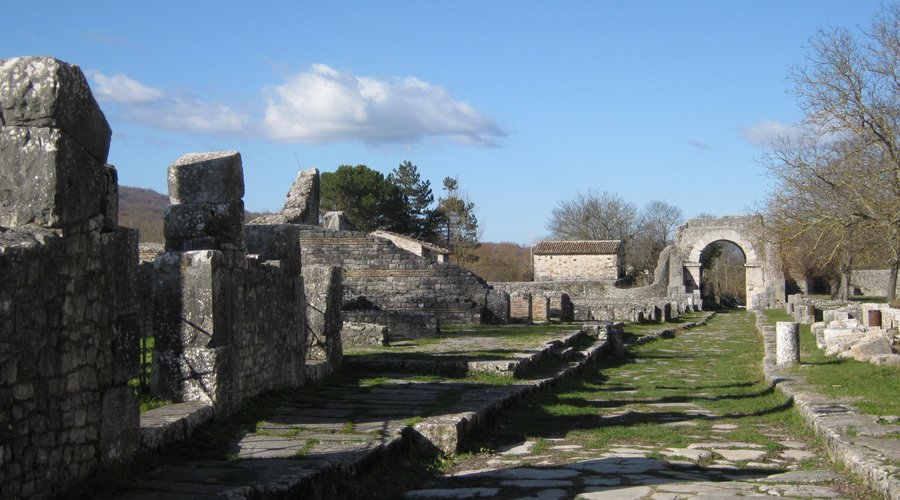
point(865, 332)
point(68, 274)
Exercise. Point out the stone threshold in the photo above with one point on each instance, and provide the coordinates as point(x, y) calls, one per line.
point(515, 365)
point(851, 437)
point(167, 425)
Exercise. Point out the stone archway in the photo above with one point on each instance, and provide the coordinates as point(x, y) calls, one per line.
point(765, 278)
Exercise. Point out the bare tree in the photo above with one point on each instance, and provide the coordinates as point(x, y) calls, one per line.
point(596, 216)
point(658, 223)
point(839, 183)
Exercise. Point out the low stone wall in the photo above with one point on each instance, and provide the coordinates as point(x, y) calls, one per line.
point(399, 325)
point(396, 280)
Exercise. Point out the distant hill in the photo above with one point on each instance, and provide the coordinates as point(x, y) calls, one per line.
point(143, 209)
point(503, 262)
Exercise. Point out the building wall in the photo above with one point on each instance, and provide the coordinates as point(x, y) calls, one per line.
point(575, 267)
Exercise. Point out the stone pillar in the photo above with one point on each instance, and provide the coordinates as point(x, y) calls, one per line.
point(787, 343)
point(324, 295)
point(497, 305)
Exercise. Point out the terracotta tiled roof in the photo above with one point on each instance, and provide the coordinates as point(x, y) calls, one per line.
point(594, 247)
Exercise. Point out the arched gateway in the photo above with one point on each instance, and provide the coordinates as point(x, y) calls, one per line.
point(765, 278)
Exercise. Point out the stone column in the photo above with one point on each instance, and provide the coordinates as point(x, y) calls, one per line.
point(787, 343)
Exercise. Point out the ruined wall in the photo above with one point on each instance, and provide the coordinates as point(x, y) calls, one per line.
point(227, 326)
point(872, 282)
point(394, 279)
point(68, 311)
point(398, 325)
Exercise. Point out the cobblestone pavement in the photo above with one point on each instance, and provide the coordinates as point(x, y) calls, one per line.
point(673, 423)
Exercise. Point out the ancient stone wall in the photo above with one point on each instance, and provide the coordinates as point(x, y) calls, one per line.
point(68, 308)
point(399, 325)
point(226, 326)
point(393, 279)
point(872, 282)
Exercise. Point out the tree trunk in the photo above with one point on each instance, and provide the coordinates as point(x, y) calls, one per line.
point(892, 281)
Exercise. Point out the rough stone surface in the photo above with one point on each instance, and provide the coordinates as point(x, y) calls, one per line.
point(302, 205)
point(323, 295)
point(43, 92)
point(787, 343)
point(68, 299)
point(377, 272)
point(200, 178)
point(47, 178)
point(399, 325)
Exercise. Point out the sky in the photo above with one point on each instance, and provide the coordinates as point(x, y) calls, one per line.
point(527, 103)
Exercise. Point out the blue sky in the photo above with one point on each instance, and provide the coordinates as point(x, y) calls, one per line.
point(525, 102)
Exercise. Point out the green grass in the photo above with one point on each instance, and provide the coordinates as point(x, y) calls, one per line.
point(590, 410)
point(876, 386)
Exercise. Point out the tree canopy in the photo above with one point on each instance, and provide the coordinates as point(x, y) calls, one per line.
point(366, 197)
point(838, 179)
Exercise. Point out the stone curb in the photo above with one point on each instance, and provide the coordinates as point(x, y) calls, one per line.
point(512, 366)
point(448, 432)
point(830, 419)
point(643, 339)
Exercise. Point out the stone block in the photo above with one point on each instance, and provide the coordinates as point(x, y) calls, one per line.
point(324, 296)
point(46, 178)
point(216, 178)
point(204, 226)
point(302, 205)
point(48, 93)
point(275, 242)
point(876, 344)
point(353, 333)
point(192, 302)
point(497, 305)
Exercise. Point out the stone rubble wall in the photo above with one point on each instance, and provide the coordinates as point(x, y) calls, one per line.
point(399, 325)
point(396, 280)
point(229, 305)
point(872, 282)
point(68, 308)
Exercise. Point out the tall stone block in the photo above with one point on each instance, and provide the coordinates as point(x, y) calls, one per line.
point(193, 328)
point(42, 92)
point(324, 295)
point(497, 305)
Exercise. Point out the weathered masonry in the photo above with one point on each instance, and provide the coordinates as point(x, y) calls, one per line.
point(578, 260)
point(68, 308)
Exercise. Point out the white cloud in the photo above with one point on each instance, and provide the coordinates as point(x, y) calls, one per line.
point(765, 133)
point(153, 107)
point(120, 88)
point(190, 115)
point(325, 105)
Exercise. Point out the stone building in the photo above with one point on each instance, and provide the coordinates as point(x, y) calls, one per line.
point(418, 247)
point(578, 260)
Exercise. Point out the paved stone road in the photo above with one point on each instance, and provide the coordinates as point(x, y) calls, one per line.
point(715, 465)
